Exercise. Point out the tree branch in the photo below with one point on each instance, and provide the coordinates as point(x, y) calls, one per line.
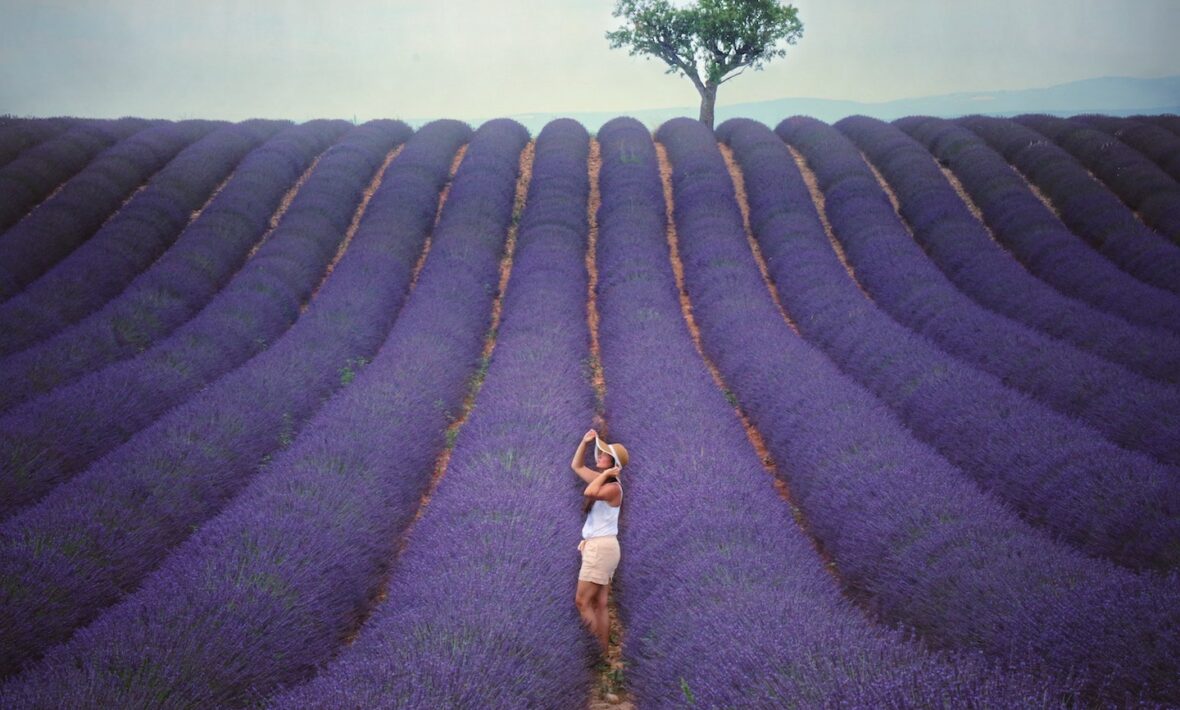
point(743, 70)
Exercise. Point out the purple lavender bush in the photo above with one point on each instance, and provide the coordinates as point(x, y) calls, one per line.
point(1170, 121)
point(1091, 215)
point(1138, 182)
point(271, 587)
point(964, 250)
point(130, 240)
point(205, 256)
point(915, 542)
point(20, 134)
point(1056, 472)
point(47, 440)
point(1126, 408)
point(36, 172)
point(71, 215)
point(480, 611)
point(1156, 143)
point(101, 532)
point(723, 600)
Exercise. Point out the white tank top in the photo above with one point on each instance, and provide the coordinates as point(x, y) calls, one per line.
point(603, 518)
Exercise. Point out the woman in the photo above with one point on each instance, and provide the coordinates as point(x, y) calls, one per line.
point(600, 543)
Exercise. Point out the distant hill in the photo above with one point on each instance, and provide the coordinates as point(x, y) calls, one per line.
point(1119, 96)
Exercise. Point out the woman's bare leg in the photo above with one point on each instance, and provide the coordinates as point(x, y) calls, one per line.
point(603, 617)
point(586, 599)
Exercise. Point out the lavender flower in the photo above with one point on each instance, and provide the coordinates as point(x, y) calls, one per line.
point(1128, 409)
point(130, 520)
point(1136, 180)
point(130, 240)
point(913, 539)
point(267, 590)
point(964, 250)
point(47, 440)
point(32, 176)
point(724, 600)
point(20, 134)
point(1156, 143)
point(479, 610)
point(1091, 215)
point(204, 257)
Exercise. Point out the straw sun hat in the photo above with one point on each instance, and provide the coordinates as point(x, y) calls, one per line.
point(616, 451)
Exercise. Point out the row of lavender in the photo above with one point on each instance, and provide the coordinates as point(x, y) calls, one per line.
point(19, 134)
point(271, 587)
point(1056, 471)
point(1120, 682)
point(62, 222)
point(1033, 234)
point(1151, 141)
point(912, 534)
point(490, 543)
point(1129, 409)
point(1095, 669)
point(966, 252)
point(1135, 178)
point(183, 280)
point(34, 173)
point(49, 439)
point(98, 534)
point(724, 601)
point(130, 240)
point(1086, 246)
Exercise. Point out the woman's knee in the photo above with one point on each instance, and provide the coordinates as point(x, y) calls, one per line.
point(585, 598)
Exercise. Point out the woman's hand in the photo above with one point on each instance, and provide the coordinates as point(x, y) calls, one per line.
point(589, 436)
point(595, 489)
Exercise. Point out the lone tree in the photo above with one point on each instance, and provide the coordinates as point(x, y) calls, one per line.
point(709, 42)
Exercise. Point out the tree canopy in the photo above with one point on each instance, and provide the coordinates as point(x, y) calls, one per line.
point(711, 41)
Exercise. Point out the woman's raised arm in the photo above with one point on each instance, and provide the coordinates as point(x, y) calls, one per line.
point(578, 464)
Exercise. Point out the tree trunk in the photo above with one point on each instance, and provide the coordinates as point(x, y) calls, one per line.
point(708, 99)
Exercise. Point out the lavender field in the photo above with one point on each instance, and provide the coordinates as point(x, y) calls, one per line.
point(286, 412)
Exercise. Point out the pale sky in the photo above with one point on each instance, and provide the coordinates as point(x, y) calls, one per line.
point(297, 59)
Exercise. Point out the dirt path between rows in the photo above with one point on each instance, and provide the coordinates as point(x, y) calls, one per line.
point(355, 223)
point(609, 692)
point(817, 198)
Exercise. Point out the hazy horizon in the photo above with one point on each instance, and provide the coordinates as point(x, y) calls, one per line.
point(365, 59)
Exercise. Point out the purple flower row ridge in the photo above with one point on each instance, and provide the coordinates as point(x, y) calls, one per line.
point(1157, 143)
point(183, 279)
point(1139, 183)
point(65, 220)
point(35, 173)
point(1069, 251)
point(1031, 234)
point(1128, 409)
point(268, 590)
point(723, 599)
point(1170, 121)
point(479, 611)
point(914, 540)
point(47, 440)
point(20, 134)
point(130, 240)
point(1056, 471)
point(97, 535)
point(962, 247)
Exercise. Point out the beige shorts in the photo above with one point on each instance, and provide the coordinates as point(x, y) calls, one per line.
point(600, 557)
